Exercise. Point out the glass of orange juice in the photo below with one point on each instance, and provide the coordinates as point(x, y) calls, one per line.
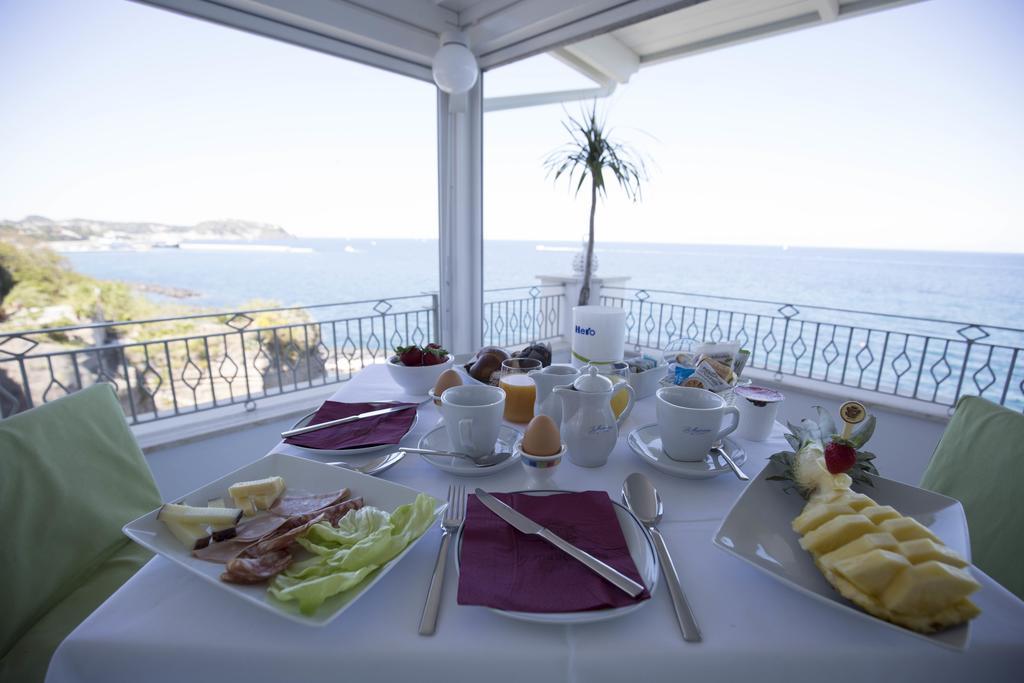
point(618, 373)
point(520, 391)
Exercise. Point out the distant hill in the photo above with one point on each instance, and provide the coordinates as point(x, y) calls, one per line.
point(50, 230)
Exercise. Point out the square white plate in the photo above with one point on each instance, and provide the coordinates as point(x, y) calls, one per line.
point(757, 530)
point(300, 474)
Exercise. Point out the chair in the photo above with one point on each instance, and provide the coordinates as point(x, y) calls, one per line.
point(980, 462)
point(71, 475)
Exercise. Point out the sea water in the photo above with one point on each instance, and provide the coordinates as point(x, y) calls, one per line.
point(971, 287)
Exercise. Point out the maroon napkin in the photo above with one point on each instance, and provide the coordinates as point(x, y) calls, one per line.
point(504, 568)
point(372, 431)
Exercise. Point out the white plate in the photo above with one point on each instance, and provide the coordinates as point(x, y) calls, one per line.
point(437, 440)
point(654, 456)
point(299, 474)
point(345, 452)
point(641, 549)
point(757, 530)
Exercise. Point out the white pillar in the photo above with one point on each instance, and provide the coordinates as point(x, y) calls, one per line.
point(460, 203)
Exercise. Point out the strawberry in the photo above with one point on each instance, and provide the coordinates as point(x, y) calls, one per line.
point(410, 355)
point(434, 355)
point(840, 457)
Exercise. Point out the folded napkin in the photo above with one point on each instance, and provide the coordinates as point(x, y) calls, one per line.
point(504, 568)
point(372, 431)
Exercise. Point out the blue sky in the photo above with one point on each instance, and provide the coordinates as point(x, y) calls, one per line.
point(901, 129)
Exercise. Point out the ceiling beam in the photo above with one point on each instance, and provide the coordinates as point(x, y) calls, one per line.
point(220, 13)
point(527, 29)
point(352, 23)
point(604, 58)
point(828, 10)
point(541, 98)
point(809, 18)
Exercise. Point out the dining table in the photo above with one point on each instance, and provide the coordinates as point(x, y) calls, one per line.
point(164, 624)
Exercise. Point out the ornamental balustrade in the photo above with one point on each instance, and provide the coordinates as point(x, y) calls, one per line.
point(926, 359)
point(164, 367)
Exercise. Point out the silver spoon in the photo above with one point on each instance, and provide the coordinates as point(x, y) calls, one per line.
point(374, 466)
point(642, 499)
point(488, 460)
point(740, 474)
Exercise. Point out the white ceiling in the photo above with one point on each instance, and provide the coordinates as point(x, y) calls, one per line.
point(605, 39)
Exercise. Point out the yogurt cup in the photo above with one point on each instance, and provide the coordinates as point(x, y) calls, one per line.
point(758, 406)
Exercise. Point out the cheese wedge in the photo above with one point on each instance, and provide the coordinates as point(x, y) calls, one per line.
point(260, 494)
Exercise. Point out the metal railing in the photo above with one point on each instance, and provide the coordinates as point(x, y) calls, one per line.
point(163, 367)
point(521, 315)
point(931, 360)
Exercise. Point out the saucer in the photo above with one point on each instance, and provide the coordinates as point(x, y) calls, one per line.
point(437, 439)
point(645, 441)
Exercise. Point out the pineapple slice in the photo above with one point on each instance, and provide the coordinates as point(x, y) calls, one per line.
point(872, 572)
point(928, 588)
point(907, 529)
point(880, 513)
point(836, 532)
point(816, 514)
point(858, 501)
point(922, 550)
point(866, 543)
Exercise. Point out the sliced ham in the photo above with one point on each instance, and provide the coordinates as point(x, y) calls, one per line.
point(222, 552)
point(256, 569)
point(333, 514)
point(282, 539)
point(289, 506)
point(255, 528)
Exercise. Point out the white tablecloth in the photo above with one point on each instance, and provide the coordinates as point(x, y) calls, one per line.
point(165, 625)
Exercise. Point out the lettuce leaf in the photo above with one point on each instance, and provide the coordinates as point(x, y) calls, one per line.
point(343, 556)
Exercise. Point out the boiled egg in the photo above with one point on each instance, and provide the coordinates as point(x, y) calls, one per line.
point(446, 380)
point(542, 437)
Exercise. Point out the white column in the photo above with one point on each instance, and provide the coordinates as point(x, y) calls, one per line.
point(460, 203)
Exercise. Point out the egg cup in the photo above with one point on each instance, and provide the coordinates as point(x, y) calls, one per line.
point(435, 397)
point(540, 469)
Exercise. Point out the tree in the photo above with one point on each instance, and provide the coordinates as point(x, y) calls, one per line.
point(591, 153)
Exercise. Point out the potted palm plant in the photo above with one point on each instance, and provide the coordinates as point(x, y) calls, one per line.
point(592, 154)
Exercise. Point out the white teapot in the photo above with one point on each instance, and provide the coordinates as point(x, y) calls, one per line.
point(589, 427)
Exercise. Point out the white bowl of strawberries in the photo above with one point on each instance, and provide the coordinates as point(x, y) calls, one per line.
point(416, 368)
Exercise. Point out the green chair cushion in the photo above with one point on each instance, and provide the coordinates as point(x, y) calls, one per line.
point(71, 475)
point(980, 462)
point(30, 656)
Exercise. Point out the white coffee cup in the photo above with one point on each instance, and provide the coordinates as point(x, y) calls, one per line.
point(690, 420)
point(472, 416)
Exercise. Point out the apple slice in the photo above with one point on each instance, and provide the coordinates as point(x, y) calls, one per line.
point(192, 536)
point(187, 514)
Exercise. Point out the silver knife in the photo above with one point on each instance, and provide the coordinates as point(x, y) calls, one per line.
point(343, 420)
point(528, 526)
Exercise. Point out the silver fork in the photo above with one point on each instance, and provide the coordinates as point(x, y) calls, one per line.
point(453, 516)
